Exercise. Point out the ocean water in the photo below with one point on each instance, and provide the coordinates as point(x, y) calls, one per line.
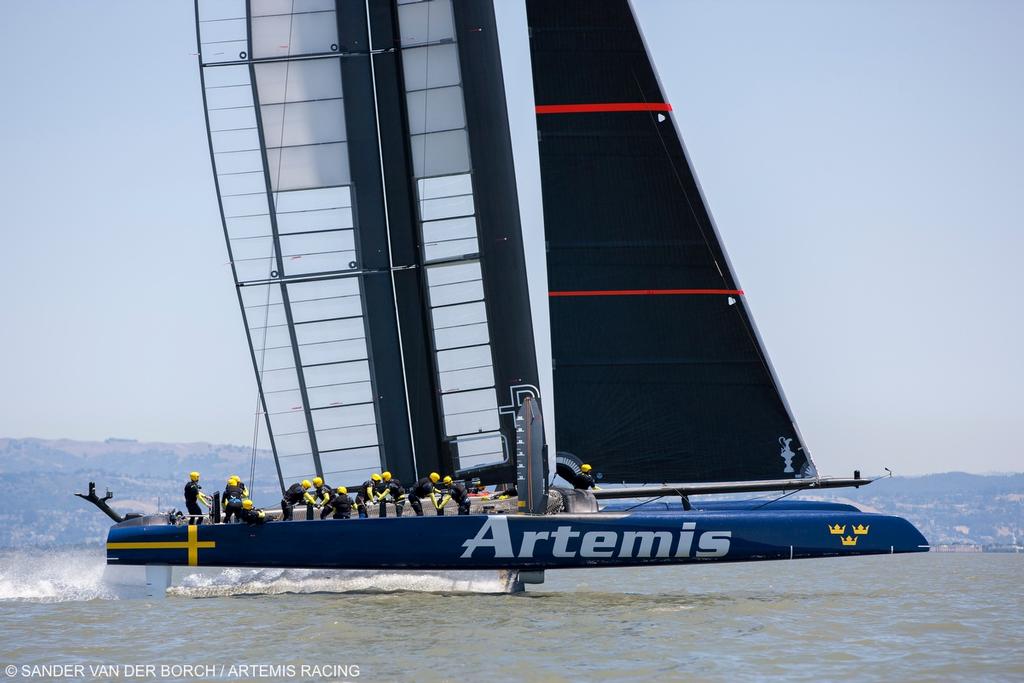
point(928, 617)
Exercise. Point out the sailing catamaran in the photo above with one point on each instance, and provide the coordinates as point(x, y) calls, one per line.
point(407, 309)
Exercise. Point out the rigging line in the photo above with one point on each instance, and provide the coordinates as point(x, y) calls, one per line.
point(645, 502)
point(784, 495)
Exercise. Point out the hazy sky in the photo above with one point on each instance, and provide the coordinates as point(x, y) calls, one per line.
point(863, 161)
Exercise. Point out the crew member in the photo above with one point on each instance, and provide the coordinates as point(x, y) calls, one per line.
point(294, 495)
point(320, 494)
point(241, 485)
point(193, 496)
point(422, 489)
point(339, 504)
point(233, 496)
point(585, 480)
point(250, 515)
point(394, 491)
point(441, 494)
point(460, 495)
point(368, 493)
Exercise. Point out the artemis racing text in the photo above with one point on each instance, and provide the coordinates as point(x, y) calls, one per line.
point(566, 542)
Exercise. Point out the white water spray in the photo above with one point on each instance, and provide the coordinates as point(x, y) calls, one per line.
point(54, 576)
point(276, 581)
point(61, 575)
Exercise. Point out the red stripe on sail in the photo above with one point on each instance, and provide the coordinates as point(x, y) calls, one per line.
point(602, 107)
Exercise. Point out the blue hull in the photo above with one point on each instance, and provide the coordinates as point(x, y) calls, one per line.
point(606, 539)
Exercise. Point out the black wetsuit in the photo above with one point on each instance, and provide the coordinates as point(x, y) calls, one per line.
point(233, 495)
point(292, 496)
point(339, 504)
point(421, 489)
point(395, 488)
point(583, 481)
point(322, 494)
point(461, 496)
point(252, 517)
point(192, 489)
point(369, 491)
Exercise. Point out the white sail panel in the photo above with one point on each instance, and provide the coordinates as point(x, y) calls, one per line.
point(286, 28)
point(280, 152)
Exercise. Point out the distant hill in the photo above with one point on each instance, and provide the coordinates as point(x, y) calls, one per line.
point(951, 508)
point(40, 476)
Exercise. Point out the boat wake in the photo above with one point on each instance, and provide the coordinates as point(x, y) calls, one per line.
point(55, 576)
point(79, 574)
point(276, 581)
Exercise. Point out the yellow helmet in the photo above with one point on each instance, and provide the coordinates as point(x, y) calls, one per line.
point(447, 480)
point(585, 468)
point(232, 480)
point(306, 484)
point(194, 476)
point(386, 476)
point(318, 482)
point(434, 477)
point(342, 489)
point(375, 476)
point(247, 504)
point(238, 479)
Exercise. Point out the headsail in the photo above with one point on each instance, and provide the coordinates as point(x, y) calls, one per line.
point(659, 372)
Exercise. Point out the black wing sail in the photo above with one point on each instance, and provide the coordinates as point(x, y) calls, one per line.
point(659, 374)
point(470, 254)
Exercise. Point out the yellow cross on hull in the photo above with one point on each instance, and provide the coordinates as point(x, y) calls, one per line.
point(193, 544)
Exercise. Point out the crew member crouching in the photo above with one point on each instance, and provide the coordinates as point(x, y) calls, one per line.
point(460, 495)
point(321, 494)
point(393, 491)
point(422, 489)
point(368, 492)
point(585, 480)
point(250, 515)
point(295, 494)
point(339, 504)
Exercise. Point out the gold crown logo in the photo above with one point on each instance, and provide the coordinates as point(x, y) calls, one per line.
point(838, 529)
point(849, 540)
point(860, 529)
